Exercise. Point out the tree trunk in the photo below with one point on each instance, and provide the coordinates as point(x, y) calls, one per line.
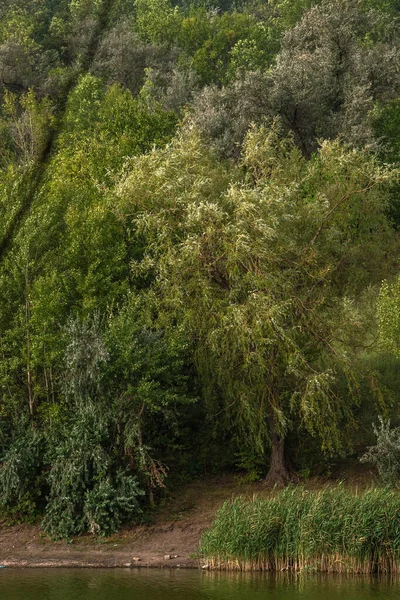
point(278, 473)
point(150, 495)
point(31, 397)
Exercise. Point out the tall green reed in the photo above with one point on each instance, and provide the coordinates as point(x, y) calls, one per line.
point(332, 530)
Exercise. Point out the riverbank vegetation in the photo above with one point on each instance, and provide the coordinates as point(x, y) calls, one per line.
point(332, 530)
point(199, 247)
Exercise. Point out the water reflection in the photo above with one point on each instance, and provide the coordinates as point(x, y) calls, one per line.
point(148, 584)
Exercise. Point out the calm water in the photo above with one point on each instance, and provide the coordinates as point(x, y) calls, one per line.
point(96, 584)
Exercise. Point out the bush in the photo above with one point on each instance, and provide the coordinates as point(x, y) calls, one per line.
point(100, 510)
point(87, 490)
point(385, 455)
point(108, 505)
point(20, 470)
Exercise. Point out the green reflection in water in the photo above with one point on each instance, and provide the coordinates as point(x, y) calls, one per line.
point(143, 584)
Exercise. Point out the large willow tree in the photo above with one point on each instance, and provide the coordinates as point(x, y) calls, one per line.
point(264, 264)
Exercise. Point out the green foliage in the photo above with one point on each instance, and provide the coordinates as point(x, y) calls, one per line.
point(385, 455)
point(25, 127)
point(124, 58)
point(215, 45)
point(211, 60)
point(246, 55)
point(87, 489)
point(389, 316)
point(386, 120)
point(158, 303)
point(332, 530)
point(251, 266)
point(86, 493)
point(21, 469)
point(253, 465)
point(109, 125)
point(156, 20)
point(107, 506)
point(333, 67)
point(392, 7)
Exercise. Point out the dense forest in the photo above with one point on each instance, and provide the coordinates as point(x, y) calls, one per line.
point(199, 246)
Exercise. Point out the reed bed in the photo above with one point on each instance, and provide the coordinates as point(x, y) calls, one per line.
point(332, 530)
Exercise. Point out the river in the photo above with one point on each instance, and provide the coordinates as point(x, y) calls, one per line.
point(149, 584)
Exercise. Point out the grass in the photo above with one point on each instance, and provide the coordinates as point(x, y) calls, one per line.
point(331, 530)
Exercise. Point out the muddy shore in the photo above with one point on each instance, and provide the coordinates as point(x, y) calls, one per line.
point(172, 546)
point(170, 541)
point(165, 545)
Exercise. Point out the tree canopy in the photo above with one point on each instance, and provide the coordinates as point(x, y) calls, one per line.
point(198, 206)
point(265, 273)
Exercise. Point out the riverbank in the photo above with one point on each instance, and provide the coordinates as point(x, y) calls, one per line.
point(170, 541)
point(169, 546)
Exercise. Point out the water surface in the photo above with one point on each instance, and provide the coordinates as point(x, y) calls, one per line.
point(143, 584)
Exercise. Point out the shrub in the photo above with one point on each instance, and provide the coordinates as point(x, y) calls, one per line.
point(385, 455)
point(20, 470)
point(108, 505)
